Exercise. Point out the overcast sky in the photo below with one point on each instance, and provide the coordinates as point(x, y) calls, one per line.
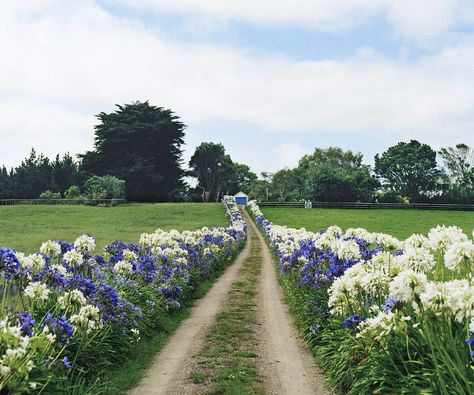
point(269, 79)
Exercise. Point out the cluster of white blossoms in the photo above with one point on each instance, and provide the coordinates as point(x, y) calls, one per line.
point(33, 262)
point(85, 244)
point(362, 282)
point(123, 268)
point(441, 237)
point(459, 256)
point(88, 319)
point(74, 298)
point(417, 258)
point(37, 291)
point(411, 277)
point(50, 248)
point(407, 285)
point(129, 255)
point(15, 358)
point(73, 258)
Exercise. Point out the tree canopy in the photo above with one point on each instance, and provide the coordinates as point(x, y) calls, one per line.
point(409, 168)
point(140, 144)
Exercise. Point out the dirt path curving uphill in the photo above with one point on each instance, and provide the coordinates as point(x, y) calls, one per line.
point(187, 340)
point(288, 368)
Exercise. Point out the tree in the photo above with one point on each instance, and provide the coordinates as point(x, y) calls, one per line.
point(284, 184)
point(140, 144)
point(244, 177)
point(458, 176)
point(214, 171)
point(65, 173)
point(6, 188)
point(32, 177)
point(333, 174)
point(267, 178)
point(409, 168)
point(459, 163)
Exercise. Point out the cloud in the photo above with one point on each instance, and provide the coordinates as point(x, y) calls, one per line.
point(418, 20)
point(289, 154)
point(63, 64)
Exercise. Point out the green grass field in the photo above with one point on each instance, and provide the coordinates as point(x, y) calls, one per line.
point(399, 223)
point(24, 228)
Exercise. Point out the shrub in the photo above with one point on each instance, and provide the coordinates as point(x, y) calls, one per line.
point(50, 195)
point(105, 187)
point(73, 192)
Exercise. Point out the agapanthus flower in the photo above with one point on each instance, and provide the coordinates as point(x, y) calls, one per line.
point(71, 299)
point(85, 244)
point(408, 285)
point(459, 256)
point(353, 321)
point(37, 290)
point(50, 248)
point(88, 318)
point(9, 263)
point(123, 268)
point(73, 258)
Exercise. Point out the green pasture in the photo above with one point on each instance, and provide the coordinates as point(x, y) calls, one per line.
point(399, 223)
point(24, 228)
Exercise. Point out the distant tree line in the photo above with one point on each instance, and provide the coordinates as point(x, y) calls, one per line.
point(137, 155)
point(405, 172)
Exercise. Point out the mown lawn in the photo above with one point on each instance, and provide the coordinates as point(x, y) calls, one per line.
point(24, 228)
point(399, 223)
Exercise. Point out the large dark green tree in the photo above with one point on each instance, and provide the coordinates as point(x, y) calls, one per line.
point(409, 168)
point(141, 144)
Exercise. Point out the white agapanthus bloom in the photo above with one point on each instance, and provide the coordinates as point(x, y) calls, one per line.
point(378, 327)
point(408, 285)
point(418, 259)
point(461, 300)
point(346, 249)
point(85, 244)
point(436, 297)
point(73, 258)
point(459, 256)
point(72, 298)
point(33, 262)
point(50, 248)
point(123, 268)
point(129, 255)
point(37, 291)
point(87, 319)
point(442, 237)
point(343, 289)
point(60, 268)
point(417, 241)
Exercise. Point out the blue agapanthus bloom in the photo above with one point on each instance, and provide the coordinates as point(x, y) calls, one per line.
point(65, 246)
point(59, 326)
point(26, 322)
point(314, 328)
point(390, 304)
point(66, 363)
point(9, 263)
point(353, 321)
point(83, 284)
